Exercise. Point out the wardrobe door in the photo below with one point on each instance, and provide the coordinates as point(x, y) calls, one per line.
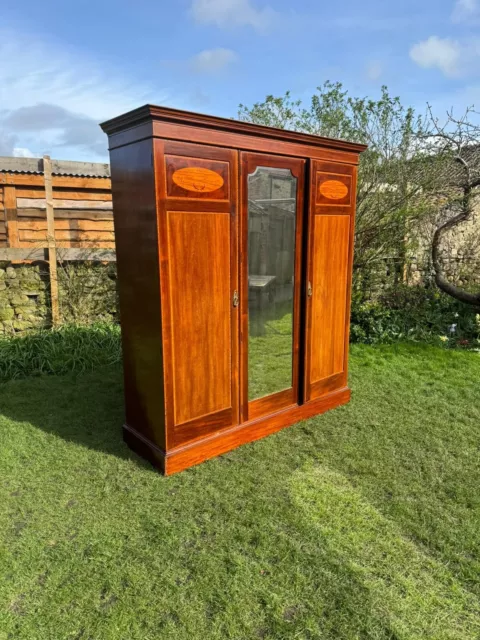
point(329, 268)
point(271, 234)
point(197, 190)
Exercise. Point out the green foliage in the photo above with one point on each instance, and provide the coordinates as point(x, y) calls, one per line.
point(58, 351)
point(362, 523)
point(87, 292)
point(388, 200)
point(414, 313)
point(281, 112)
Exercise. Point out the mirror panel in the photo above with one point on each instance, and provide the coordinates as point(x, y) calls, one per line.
point(272, 198)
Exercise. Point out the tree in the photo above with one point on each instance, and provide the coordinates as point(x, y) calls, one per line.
point(454, 149)
point(386, 191)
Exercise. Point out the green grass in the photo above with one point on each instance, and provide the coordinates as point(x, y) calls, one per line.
point(69, 348)
point(363, 523)
point(269, 355)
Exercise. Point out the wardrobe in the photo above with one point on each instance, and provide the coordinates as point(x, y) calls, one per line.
point(234, 246)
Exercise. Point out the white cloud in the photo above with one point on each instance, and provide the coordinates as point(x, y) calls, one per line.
point(232, 13)
point(442, 53)
point(454, 58)
point(465, 10)
point(62, 127)
point(374, 70)
point(22, 152)
point(52, 98)
point(212, 60)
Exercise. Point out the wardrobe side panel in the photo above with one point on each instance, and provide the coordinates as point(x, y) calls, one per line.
point(136, 238)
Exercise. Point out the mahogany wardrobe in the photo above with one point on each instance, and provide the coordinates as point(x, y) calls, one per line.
point(234, 247)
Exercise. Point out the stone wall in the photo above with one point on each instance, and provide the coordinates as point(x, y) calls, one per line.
point(23, 298)
point(460, 252)
point(87, 293)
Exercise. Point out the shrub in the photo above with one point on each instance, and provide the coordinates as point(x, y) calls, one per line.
point(414, 313)
point(88, 292)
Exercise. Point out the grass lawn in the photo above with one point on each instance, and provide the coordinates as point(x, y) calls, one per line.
point(362, 523)
point(270, 355)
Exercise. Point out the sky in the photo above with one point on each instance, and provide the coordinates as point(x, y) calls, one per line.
point(66, 66)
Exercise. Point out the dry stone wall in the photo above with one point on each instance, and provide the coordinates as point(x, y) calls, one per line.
point(460, 252)
point(23, 298)
point(87, 293)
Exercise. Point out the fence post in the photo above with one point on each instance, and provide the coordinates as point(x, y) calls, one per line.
point(10, 203)
point(52, 247)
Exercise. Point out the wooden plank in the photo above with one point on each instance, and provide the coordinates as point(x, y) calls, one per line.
point(64, 194)
point(40, 203)
point(74, 235)
point(82, 195)
point(69, 182)
point(65, 214)
point(62, 225)
point(52, 249)
point(35, 192)
point(31, 254)
point(238, 141)
point(32, 213)
point(11, 215)
point(82, 183)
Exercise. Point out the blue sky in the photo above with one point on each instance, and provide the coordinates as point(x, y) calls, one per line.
point(68, 65)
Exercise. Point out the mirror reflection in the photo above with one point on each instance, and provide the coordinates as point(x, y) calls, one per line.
point(271, 265)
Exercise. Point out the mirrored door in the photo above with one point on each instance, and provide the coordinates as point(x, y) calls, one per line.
point(271, 232)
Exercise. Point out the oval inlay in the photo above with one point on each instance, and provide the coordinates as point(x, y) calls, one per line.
point(333, 189)
point(197, 179)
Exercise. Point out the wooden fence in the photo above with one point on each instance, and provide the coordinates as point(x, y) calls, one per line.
point(52, 210)
point(82, 206)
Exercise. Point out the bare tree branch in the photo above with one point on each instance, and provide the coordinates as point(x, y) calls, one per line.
point(461, 139)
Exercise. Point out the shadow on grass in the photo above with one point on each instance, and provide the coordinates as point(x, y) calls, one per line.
point(84, 408)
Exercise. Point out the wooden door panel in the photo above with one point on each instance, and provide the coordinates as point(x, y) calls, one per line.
point(329, 291)
point(329, 265)
point(197, 190)
point(333, 188)
point(199, 266)
point(196, 178)
point(270, 282)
